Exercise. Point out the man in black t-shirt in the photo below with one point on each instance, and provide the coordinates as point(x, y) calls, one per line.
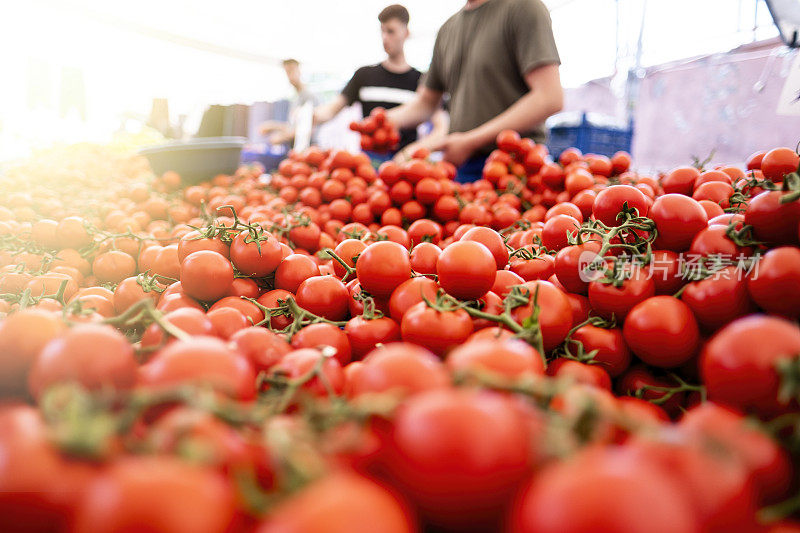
point(387, 84)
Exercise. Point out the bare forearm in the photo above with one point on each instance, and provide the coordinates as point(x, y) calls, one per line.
point(326, 112)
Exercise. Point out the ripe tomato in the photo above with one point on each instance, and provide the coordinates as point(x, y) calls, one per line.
point(773, 222)
point(293, 271)
point(206, 276)
point(194, 242)
point(608, 300)
point(437, 331)
point(604, 489)
point(352, 502)
point(200, 361)
point(680, 181)
point(612, 355)
point(409, 293)
point(610, 202)
point(400, 368)
point(22, 337)
point(738, 364)
point(253, 257)
point(95, 356)
point(348, 250)
point(301, 363)
point(538, 267)
point(466, 270)
point(319, 335)
point(557, 230)
point(492, 240)
point(578, 372)
point(719, 299)
point(364, 334)
point(662, 331)
point(382, 266)
point(423, 258)
point(437, 467)
point(778, 162)
point(505, 359)
point(113, 266)
point(323, 296)
point(555, 312)
point(227, 320)
point(678, 219)
point(260, 346)
point(774, 283)
point(152, 493)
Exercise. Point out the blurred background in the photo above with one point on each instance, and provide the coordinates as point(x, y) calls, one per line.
point(686, 76)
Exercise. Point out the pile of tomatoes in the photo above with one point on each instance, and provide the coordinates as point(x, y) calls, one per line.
point(377, 133)
point(562, 346)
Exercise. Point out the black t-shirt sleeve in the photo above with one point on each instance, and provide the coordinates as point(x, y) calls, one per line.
point(351, 90)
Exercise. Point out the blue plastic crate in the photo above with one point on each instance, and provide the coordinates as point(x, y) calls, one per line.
point(589, 138)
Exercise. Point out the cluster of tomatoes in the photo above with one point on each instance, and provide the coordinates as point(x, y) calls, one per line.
point(560, 346)
point(377, 133)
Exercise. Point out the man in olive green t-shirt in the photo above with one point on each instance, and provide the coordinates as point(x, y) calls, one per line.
point(498, 61)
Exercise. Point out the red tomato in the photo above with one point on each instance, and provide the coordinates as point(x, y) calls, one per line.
point(505, 359)
point(299, 364)
point(200, 361)
point(719, 299)
point(319, 335)
point(612, 354)
point(773, 222)
point(680, 181)
point(437, 331)
point(556, 231)
point(409, 293)
point(94, 356)
point(206, 276)
point(604, 489)
point(492, 240)
point(293, 271)
point(438, 468)
point(351, 502)
point(381, 267)
point(738, 364)
point(400, 368)
point(774, 283)
point(579, 372)
point(22, 336)
point(555, 318)
point(608, 300)
point(323, 296)
point(255, 257)
point(662, 331)
point(678, 219)
point(152, 493)
point(365, 333)
point(610, 202)
point(227, 320)
point(466, 270)
point(778, 162)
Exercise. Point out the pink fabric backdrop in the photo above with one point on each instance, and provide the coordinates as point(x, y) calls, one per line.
point(709, 103)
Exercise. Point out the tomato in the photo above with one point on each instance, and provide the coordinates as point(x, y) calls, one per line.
point(504, 281)
point(129, 292)
point(774, 283)
point(604, 489)
point(678, 219)
point(22, 337)
point(200, 361)
point(249, 310)
point(719, 299)
point(610, 202)
point(665, 271)
point(194, 242)
point(299, 364)
point(578, 372)
point(152, 493)
point(206, 275)
point(437, 467)
point(492, 240)
point(399, 368)
point(437, 331)
point(364, 334)
point(778, 162)
point(347, 250)
point(538, 267)
point(714, 241)
point(609, 301)
point(382, 266)
point(557, 230)
point(680, 181)
point(423, 258)
point(113, 266)
point(767, 463)
point(95, 356)
point(319, 335)
point(738, 364)
point(254, 257)
point(323, 296)
point(773, 222)
point(39, 488)
point(294, 270)
point(409, 293)
point(612, 355)
point(227, 320)
point(662, 331)
point(505, 359)
point(466, 270)
point(71, 233)
point(344, 501)
point(555, 318)
point(260, 346)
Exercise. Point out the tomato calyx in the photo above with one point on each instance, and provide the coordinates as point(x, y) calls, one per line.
point(289, 308)
point(150, 283)
point(742, 236)
point(791, 187)
point(370, 312)
point(327, 253)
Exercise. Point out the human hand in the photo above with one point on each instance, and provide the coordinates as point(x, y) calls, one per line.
point(458, 147)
